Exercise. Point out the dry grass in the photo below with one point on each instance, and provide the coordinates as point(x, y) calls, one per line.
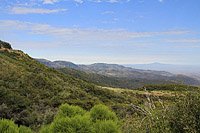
point(156, 93)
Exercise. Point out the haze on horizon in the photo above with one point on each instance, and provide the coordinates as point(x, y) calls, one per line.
point(110, 31)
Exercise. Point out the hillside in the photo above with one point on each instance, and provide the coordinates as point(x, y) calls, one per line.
point(106, 81)
point(119, 71)
point(31, 92)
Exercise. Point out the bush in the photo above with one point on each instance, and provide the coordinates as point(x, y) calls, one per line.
point(70, 111)
point(107, 126)
point(73, 119)
point(76, 124)
point(8, 126)
point(185, 115)
point(101, 112)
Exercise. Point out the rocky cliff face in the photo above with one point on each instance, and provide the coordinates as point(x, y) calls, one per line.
point(5, 45)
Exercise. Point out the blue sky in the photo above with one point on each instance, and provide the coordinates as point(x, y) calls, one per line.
point(110, 31)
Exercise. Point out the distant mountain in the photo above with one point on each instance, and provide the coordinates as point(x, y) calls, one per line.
point(58, 64)
point(189, 70)
point(152, 66)
point(89, 73)
point(96, 67)
point(120, 71)
point(100, 66)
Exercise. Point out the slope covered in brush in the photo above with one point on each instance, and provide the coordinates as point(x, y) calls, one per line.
point(31, 92)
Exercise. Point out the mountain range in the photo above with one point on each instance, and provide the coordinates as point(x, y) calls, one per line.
point(122, 72)
point(189, 70)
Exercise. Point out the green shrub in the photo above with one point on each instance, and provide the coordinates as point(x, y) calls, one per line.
point(76, 124)
point(73, 119)
point(8, 126)
point(45, 129)
point(23, 129)
point(70, 111)
point(101, 112)
point(107, 126)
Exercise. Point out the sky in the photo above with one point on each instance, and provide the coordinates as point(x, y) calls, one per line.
point(108, 31)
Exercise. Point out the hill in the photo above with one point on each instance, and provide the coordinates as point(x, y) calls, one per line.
point(106, 81)
point(99, 66)
point(32, 92)
point(58, 64)
point(119, 71)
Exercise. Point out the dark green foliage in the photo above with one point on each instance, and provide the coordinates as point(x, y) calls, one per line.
point(169, 87)
point(185, 115)
point(73, 119)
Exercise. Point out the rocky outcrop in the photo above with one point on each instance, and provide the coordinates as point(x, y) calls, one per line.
point(5, 45)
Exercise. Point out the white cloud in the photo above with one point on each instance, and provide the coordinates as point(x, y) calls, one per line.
point(79, 1)
point(24, 10)
point(160, 0)
point(113, 1)
point(98, 1)
point(115, 20)
point(80, 34)
point(75, 26)
point(49, 1)
point(110, 1)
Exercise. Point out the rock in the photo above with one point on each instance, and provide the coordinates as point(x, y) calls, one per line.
point(5, 45)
